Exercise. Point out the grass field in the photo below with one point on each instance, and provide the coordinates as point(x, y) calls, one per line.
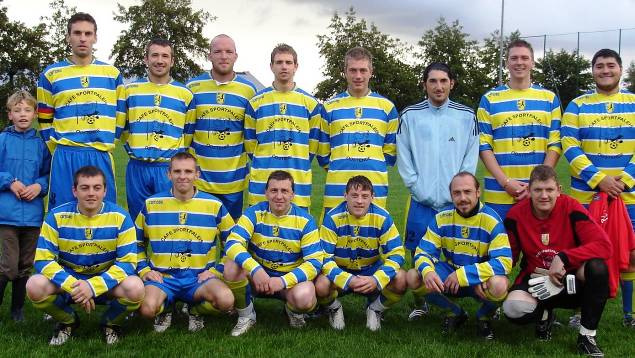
point(273, 338)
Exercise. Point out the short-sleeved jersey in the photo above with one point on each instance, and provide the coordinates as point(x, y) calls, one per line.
point(285, 246)
point(218, 133)
point(281, 133)
point(357, 137)
point(159, 120)
point(519, 127)
point(477, 247)
point(100, 249)
point(598, 137)
point(81, 105)
point(369, 246)
point(179, 238)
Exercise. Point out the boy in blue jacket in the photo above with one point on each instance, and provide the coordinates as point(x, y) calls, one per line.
point(24, 170)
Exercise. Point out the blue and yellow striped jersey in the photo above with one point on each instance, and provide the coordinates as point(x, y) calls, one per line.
point(159, 120)
point(519, 127)
point(285, 246)
point(476, 246)
point(369, 246)
point(358, 136)
point(218, 133)
point(178, 238)
point(81, 105)
point(281, 133)
point(598, 136)
point(100, 249)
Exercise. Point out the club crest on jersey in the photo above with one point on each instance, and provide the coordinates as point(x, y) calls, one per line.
point(358, 112)
point(276, 231)
point(84, 81)
point(465, 232)
point(356, 230)
point(544, 238)
point(609, 107)
point(88, 232)
point(220, 98)
point(520, 104)
point(283, 108)
point(182, 218)
point(157, 99)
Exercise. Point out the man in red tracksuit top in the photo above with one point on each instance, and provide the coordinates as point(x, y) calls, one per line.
point(558, 240)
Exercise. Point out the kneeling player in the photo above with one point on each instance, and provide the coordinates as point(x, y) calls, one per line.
point(476, 257)
point(277, 245)
point(86, 254)
point(558, 241)
point(363, 255)
point(177, 233)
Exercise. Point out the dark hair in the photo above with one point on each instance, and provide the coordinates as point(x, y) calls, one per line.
point(182, 156)
point(88, 171)
point(605, 52)
point(543, 173)
point(284, 48)
point(80, 16)
point(359, 182)
point(280, 175)
point(161, 42)
point(358, 53)
point(464, 174)
point(438, 66)
point(520, 43)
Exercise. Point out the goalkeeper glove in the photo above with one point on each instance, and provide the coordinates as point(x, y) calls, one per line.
point(542, 288)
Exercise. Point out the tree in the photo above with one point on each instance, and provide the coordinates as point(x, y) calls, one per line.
point(55, 23)
point(489, 56)
point(567, 74)
point(629, 80)
point(174, 20)
point(392, 77)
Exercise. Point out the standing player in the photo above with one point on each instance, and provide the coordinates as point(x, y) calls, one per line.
point(437, 138)
point(159, 123)
point(358, 133)
point(80, 112)
point(560, 244)
point(364, 255)
point(476, 257)
point(86, 254)
point(281, 130)
point(520, 128)
point(598, 129)
point(276, 244)
point(221, 98)
point(177, 232)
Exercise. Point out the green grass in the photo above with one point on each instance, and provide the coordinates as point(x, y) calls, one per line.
point(273, 338)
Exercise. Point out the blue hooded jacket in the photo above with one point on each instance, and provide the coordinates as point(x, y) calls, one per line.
point(25, 157)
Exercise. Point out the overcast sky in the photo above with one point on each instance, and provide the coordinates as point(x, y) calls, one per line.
point(258, 25)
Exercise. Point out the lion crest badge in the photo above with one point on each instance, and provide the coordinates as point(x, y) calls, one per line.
point(220, 98)
point(283, 108)
point(356, 230)
point(276, 231)
point(465, 232)
point(182, 218)
point(88, 232)
point(609, 107)
point(544, 238)
point(84, 81)
point(157, 99)
point(358, 112)
point(520, 104)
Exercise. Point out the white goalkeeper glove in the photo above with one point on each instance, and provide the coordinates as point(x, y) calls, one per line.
point(542, 288)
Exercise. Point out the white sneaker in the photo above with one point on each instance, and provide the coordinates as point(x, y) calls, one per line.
point(419, 312)
point(47, 317)
point(574, 321)
point(296, 320)
point(62, 333)
point(195, 323)
point(373, 319)
point(163, 322)
point(185, 309)
point(242, 326)
point(336, 316)
point(111, 335)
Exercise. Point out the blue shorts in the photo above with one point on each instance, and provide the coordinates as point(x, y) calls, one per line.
point(181, 289)
point(233, 203)
point(66, 161)
point(144, 179)
point(418, 216)
point(500, 209)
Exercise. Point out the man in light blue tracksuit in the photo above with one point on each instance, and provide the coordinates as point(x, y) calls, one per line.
point(437, 138)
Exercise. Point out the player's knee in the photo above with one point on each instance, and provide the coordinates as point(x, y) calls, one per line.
point(596, 269)
point(322, 286)
point(223, 298)
point(133, 288)
point(302, 297)
point(497, 286)
point(149, 307)
point(36, 288)
point(233, 272)
point(519, 305)
point(413, 279)
point(398, 284)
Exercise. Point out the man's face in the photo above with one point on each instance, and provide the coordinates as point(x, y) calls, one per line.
point(358, 73)
point(283, 67)
point(607, 73)
point(279, 194)
point(90, 193)
point(182, 174)
point(223, 55)
point(464, 194)
point(82, 38)
point(159, 60)
point(438, 86)
point(543, 196)
point(519, 63)
point(22, 115)
point(358, 201)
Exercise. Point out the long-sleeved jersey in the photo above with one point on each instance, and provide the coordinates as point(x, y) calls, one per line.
point(519, 127)
point(568, 232)
point(218, 133)
point(477, 246)
point(285, 246)
point(357, 137)
point(598, 137)
point(369, 246)
point(281, 133)
point(433, 144)
point(81, 105)
point(159, 120)
point(100, 249)
point(178, 238)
